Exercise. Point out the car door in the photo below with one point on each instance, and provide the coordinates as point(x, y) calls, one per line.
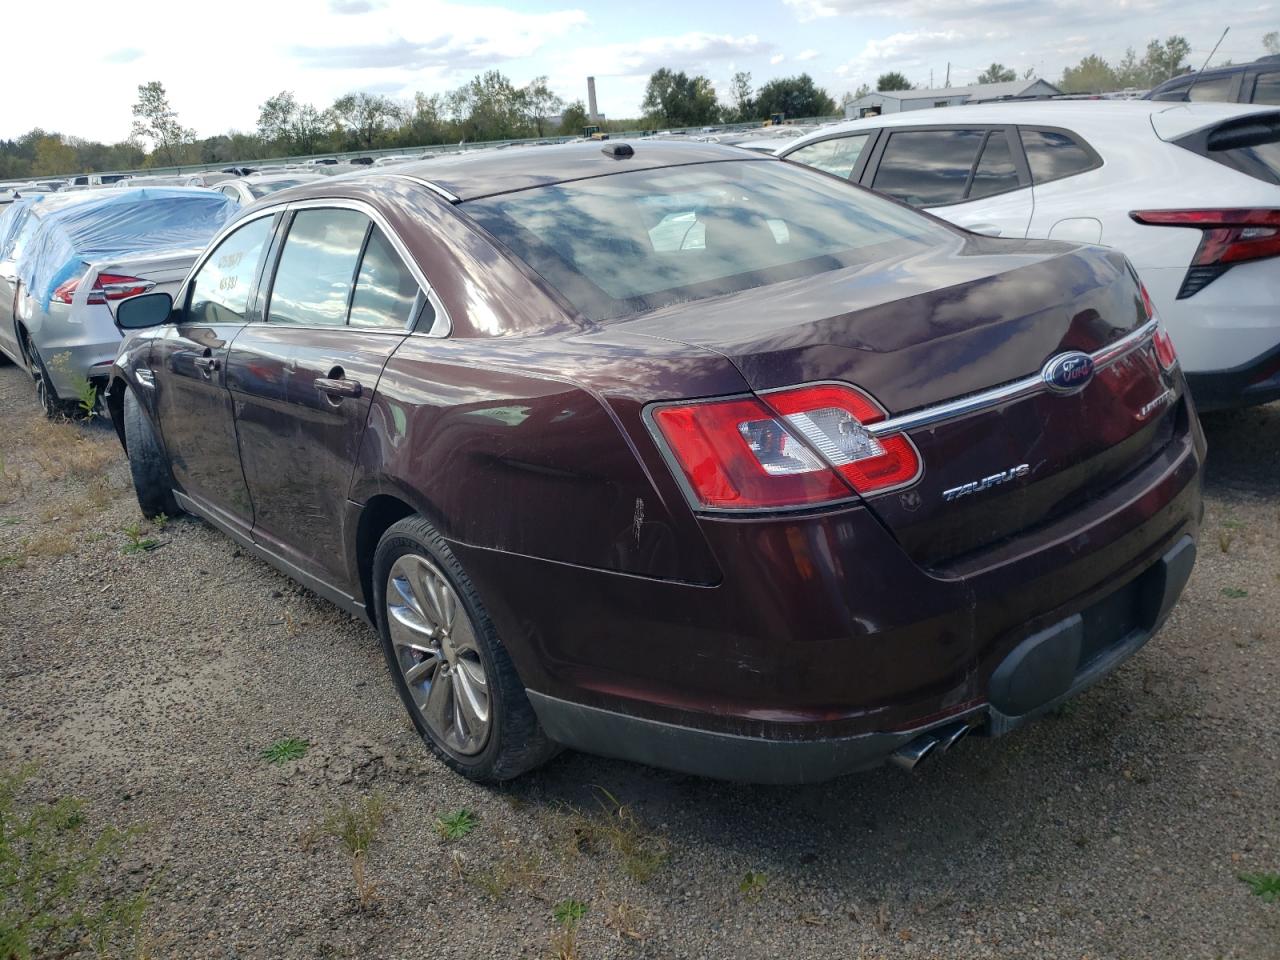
point(975, 177)
point(341, 301)
point(188, 367)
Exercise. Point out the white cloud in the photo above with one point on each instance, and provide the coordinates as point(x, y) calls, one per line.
point(776, 59)
point(807, 55)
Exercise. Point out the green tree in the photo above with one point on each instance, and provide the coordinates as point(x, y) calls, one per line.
point(1271, 42)
point(892, 81)
point(794, 97)
point(1165, 60)
point(997, 73)
point(740, 95)
point(426, 122)
point(276, 116)
point(489, 107)
point(679, 100)
point(1090, 75)
point(54, 156)
point(156, 121)
point(365, 117)
point(539, 103)
point(573, 119)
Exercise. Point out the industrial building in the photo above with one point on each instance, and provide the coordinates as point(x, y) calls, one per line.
point(894, 101)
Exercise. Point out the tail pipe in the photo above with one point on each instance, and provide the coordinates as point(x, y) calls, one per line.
point(910, 755)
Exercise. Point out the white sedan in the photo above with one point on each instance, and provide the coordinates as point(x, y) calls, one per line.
point(1189, 192)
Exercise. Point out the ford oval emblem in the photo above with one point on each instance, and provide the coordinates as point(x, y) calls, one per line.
point(1068, 372)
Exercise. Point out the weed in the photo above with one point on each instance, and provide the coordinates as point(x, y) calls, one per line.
point(456, 825)
point(625, 920)
point(568, 914)
point(282, 751)
point(50, 893)
point(1265, 885)
point(615, 827)
point(511, 872)
point(355, 828)
point(86, 397)
point(752, 884)
point(1232, 524)
point(9, 521)
point(137, 542)
point(1225, 539)
point(1235, 593)
point(160, 521)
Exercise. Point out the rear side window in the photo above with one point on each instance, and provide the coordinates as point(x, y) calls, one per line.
point(1054, 154)
point(220, 289)
point(1249, 144)
point(995, 172)
point(317, 268)
point(928, 167)
point(1266, 89)
point(837, 156)
point(1214, 90)
point(385, 289)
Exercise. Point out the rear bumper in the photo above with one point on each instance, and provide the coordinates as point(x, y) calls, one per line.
point(1046, 669)
point(1255, 382)
point(824, 647)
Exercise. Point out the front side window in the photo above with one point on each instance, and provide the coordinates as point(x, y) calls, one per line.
point(1052, 155)
point(220, 289)
point(837, 156)
point(926, 168)
point(629, 242)
point(317, 268)
point(1217, 90)
point(385, 289)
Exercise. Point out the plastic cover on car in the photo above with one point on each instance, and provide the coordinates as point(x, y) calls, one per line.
point(116, 224)
point(12, 218)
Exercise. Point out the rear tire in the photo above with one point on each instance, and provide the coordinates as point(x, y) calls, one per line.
point(55, 408)
point(459, 661)
point(148, 463)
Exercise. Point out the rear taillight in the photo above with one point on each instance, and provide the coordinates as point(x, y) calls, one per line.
point(108, 286)
point(1229, 237)
point(790, 448)
point(1160, 340)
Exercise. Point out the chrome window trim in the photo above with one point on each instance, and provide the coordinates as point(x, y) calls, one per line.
point(1028, 386)
point(433, 187)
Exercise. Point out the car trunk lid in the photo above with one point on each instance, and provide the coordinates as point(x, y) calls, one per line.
point(992, 468)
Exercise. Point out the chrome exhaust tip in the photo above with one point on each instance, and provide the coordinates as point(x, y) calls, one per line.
point(948, 737)
point(911, 755)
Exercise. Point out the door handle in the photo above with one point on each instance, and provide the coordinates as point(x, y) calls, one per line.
point(337, 387)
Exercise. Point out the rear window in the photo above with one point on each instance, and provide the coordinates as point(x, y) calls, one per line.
point(1054, 154)
point(1249, 144)
point(1266, 89)
point(271, 186)
point(622, 244)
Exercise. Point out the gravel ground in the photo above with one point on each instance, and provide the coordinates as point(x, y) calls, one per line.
point(148, 683)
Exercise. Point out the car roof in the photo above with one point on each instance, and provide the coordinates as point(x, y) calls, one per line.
point(1081, 114)
point(483, 173)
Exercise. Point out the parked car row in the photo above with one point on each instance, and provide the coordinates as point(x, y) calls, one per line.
point(1189, 193)
point(67, 260)
point(846, 482)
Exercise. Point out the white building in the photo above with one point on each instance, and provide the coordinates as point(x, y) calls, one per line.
point(894, 101)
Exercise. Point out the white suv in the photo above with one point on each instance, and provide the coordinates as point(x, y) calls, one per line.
point(1189, 192)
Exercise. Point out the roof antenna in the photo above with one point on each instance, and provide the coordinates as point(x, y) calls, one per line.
point(1206, 63)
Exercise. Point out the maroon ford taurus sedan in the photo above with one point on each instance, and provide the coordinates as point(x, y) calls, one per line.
point(677, 453)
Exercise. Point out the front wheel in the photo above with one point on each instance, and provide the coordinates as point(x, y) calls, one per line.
point(451, 670)
point(148, 463)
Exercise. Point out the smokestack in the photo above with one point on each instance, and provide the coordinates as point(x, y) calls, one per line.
point(591, 99)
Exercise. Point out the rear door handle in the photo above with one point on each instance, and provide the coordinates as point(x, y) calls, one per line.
point(338, 388)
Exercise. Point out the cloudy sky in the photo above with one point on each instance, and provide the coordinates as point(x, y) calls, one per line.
point(220, 62)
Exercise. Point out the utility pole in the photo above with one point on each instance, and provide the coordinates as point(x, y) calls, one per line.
point(948, 81)
point(931, 78)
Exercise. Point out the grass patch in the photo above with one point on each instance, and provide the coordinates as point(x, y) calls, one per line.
point(752, 883)
point(53, 868)
point(1235, 593)
point(137, 542)
point(1265, 885)
point(627, 922)
point(456, 825)
point(519, 871)
point(283, 751)
point(355, 828)
point(617, 829)
point(568, 915)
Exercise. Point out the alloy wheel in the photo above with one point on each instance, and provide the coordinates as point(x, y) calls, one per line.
point(436, 650)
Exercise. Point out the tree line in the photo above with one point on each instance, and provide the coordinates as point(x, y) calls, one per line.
point(491, 107)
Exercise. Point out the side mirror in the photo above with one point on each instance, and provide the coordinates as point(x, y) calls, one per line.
point(148, 310)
